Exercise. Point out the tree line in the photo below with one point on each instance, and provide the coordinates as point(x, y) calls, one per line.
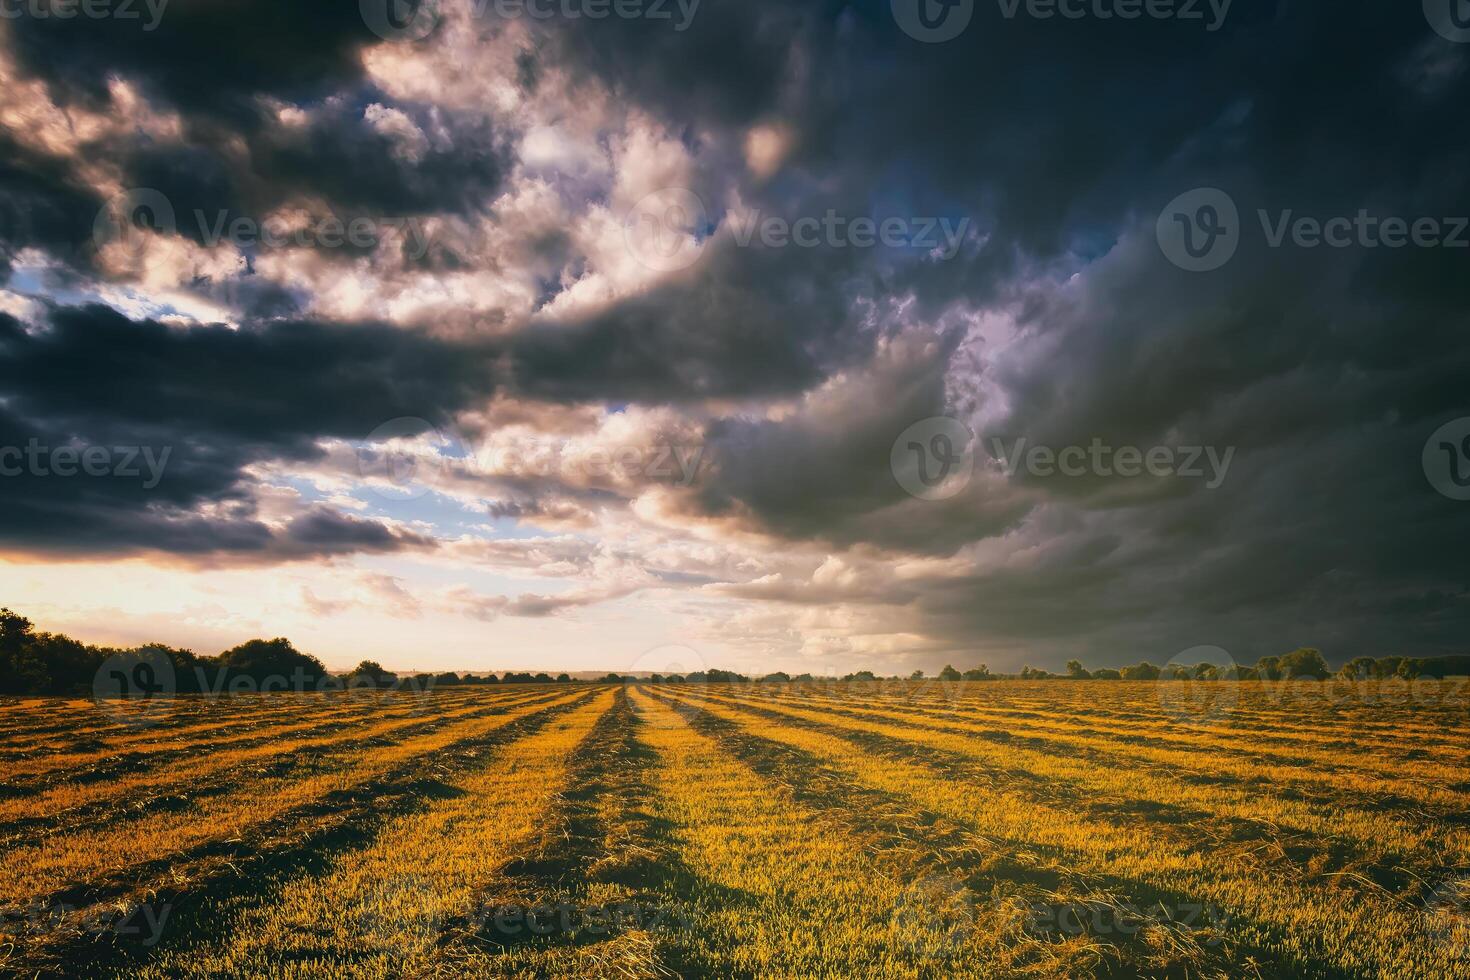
point(34, 662)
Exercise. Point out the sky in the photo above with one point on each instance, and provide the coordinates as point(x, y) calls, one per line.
point(757, 334)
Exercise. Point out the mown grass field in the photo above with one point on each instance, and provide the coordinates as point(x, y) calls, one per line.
point(1046, 829)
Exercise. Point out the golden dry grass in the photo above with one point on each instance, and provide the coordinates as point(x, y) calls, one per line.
point(993, 829)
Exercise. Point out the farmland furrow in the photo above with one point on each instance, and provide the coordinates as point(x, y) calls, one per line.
point(1312, 931)
point(1333, 836)
point(388, 902)
point(72, 867)
point(1325, 784)
point(282, 837)
point(70, 803)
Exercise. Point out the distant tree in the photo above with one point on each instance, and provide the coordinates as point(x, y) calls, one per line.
point(917, 675)
point(1142, 671)
point(563, 678)
point(1029, 673)
point(864, 675)
point(448, 679)
point(612, 678)
point(19, 674)
point(779, 677)
point(1387, 667)
point(1175, 672)
point(1359, 669)
point(950, 674)
point(266, 661)
point(1269, 668)
point(542, 678)
point(1206, 672)
point(803, 678)
point(1304, 663)
point(1106, 674)
point(1076, 671)
point(370, 673)
point(981, 673)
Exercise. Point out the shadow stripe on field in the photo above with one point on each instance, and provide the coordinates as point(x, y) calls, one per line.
point(1055, 872)
point(244, 869)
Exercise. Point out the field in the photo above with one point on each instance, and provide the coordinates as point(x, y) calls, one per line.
point(1046, 829)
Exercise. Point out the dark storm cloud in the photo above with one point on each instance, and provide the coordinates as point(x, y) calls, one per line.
point(744, 322)
point(215, 64)
point(40, 207)
point(458, 166)
point(208, 57)
point(217, 400)
point(1324, 369)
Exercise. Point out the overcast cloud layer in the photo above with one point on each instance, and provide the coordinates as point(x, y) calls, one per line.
point(489, 325)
